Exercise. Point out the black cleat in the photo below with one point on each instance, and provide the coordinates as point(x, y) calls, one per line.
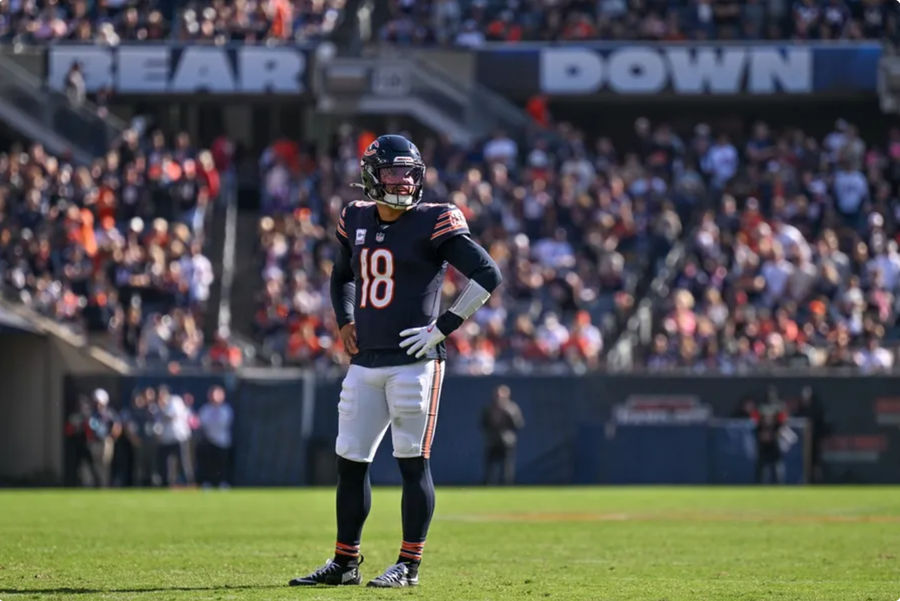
point(396, 576)
point(331, 573)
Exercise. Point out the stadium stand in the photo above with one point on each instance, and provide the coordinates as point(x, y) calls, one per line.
point(111, 23)
point(732, 254)
point(81, 21)
point(795, 263)
point(792, 246)
point(116, 247)
point(472, 23)
point(574, 228)
point(793, 254)
point(578, 224)
point(449, 22)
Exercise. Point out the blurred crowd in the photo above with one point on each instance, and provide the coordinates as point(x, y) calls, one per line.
point(111, 22)
point(471, 23)
point(158, 439)
point(448, 22)
point(573, 224)
point(791, 247)
point(108, 22)
point(251, 21)
point(796, 261)
point(115, 248)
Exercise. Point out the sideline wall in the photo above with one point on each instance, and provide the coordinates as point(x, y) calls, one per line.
point(285, 428)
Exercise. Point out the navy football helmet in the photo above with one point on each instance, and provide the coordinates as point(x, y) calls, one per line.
point(393, 171)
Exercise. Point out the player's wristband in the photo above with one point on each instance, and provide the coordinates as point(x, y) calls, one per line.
point(448, 322)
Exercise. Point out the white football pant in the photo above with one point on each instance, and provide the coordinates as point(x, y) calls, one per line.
point(404, 397)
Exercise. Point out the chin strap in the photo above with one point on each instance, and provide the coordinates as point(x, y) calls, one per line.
point(397, 205)
point(381, 200)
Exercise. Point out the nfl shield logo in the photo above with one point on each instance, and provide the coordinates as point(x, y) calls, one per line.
point(379, 237)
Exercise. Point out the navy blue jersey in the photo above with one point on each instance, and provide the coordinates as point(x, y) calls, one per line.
point(398, 274)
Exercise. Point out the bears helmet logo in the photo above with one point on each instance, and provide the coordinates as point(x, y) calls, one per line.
point(372, 149)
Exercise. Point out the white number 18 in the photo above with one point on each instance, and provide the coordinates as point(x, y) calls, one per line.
point(377, 278)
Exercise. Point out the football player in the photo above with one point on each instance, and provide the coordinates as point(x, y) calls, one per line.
point(386, 291)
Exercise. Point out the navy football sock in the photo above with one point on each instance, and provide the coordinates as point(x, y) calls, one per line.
point(354, 499)
point(417, 508)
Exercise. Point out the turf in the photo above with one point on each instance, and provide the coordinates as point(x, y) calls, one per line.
point(650, 543)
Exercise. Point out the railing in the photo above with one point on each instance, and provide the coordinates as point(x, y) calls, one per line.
point(47, 116)
point(484, 110)
point(222, 252)
point(464, 110)
point(889, 81)
point(639, 327)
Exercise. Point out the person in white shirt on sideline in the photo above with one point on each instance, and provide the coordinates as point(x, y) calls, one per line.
point(216, 418)
point(175, 461)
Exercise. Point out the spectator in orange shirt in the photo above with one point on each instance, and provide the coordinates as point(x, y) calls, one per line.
point(538, 110)
point(585, 341)
point(223, 354)
point(579, 27)
point(282, 19)
point(504, 28)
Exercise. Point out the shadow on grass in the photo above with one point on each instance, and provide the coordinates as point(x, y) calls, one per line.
point(153, 589)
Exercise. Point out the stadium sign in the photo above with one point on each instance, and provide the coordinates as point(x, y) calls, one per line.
point(854, 448)
point(680, 69)
point(887, 411)
point(173, 69)
point(661, 409)
point(684, 71)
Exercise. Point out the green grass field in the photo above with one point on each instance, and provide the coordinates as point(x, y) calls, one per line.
point(697, 544)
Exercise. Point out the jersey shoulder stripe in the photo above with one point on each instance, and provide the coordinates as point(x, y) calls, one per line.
point(449, 229)
point(450, 212)
point(444, 220)
point(450, 219)
point(452, 215)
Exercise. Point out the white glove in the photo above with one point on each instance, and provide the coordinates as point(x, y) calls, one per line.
point(421, 340)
